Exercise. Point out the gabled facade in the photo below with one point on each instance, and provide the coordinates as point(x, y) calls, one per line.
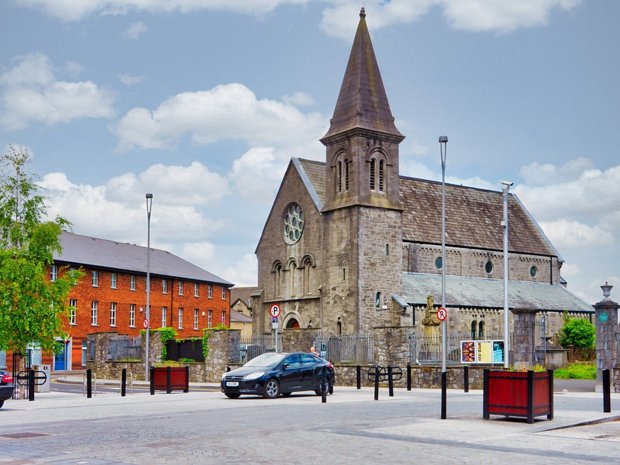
point(350, 245)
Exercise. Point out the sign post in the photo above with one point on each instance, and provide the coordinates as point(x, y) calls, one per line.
point(275, 313)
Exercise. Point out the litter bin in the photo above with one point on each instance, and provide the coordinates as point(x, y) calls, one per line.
point(42, 385)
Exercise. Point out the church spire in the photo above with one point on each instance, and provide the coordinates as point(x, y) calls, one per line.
point(362, 102)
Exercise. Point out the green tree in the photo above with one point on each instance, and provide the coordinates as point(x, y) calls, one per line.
point(33, 309)
point(579, 333)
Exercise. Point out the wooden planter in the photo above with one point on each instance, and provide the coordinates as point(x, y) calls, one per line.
point(169, 379)
point(526, 394)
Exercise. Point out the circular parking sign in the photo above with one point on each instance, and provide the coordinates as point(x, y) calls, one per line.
point(146, 323)
point(442, 313)
point(275, 311)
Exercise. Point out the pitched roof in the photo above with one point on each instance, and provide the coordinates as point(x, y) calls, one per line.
point(473, 215)
point(473, 218)
point(242, 293)
point(112, 255)
point(489, 293)
point(362, 101)
point(239, 317)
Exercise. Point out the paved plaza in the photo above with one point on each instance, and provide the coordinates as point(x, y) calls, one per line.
point(202, 427)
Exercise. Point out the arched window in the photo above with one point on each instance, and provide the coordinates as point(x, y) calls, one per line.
point(277, 277)
point(292, 279)
point(346, 175)
point(474, 328)
point(339, 328)
point(381, 175)
point(481, 330)
point(339, 176)
point(378, 301)
point(372, 174)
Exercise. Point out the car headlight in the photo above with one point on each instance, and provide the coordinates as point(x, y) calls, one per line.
point(255, 375)
point(223, 376)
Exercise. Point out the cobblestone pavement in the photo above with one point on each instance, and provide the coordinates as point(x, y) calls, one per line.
point(351, 428)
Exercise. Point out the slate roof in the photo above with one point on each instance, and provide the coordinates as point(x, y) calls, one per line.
point(242, 293)
point(489, 293)
point(362, 102)
point(239, 317)
point(102, 253)
point(473, 215)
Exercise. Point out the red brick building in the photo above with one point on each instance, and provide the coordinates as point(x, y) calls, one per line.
point(111, 296)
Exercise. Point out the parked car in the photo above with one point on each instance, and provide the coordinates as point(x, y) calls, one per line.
point(6, 386)
point(272, 374)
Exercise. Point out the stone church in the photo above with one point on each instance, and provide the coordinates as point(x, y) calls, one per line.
point(350, 245)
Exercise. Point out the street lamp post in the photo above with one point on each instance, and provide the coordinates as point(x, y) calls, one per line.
point(443, 151)
point(506, 189)
point(149, 205)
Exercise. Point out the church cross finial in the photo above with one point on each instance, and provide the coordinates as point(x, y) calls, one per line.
point(363, 13)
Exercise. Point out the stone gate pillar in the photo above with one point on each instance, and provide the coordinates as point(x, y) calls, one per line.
point(606, 322)
point(522, 348)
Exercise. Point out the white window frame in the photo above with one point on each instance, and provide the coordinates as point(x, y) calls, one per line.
point(132, 282)
point(181, 285)
point(53, 273)
point(94, 278)
point(180, 318)
point(210, 319)
point(196, 290)
point(224, 317)
point(196, 316)
point(113, 307)
point(113, 281)
point(94, 313)
point(223, 293)
point(73, 312)
point(132, 315)
point(164, 316)
point(210, 291)
point(164, 286)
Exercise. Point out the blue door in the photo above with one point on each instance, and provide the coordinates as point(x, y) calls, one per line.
point(60, 359)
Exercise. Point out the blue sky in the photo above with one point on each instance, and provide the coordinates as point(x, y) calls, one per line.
point(203, 102)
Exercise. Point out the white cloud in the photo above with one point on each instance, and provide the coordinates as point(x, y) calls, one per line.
point(501, 15)
point(257, 174)
point(31, 93)
point(242, 272)
point(135, 30)
point(71, 10)
point(570, 233)
point(226, 112)
point(130, 79)
point(299, 99)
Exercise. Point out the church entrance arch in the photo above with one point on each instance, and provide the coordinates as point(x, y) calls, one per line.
point(292, 324)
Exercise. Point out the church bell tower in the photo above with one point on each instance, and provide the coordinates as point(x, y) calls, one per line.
point(362, 211)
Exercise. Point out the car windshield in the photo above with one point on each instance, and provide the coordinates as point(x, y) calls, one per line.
point(266, 360)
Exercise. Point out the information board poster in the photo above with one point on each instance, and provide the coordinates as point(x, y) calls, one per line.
point(482, 351)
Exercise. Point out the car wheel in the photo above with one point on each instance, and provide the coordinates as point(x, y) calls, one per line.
point(286, 394)
point(272, 389)
point(330, 389)
point(232, 395)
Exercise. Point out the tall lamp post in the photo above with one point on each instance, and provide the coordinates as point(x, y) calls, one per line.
point(149, 205)
point(506, 189)
point(443, 151)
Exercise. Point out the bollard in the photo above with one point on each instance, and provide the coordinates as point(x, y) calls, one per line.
point(324, 384)
point(444, 382)
point(390, 382)
point(376, 382)
point(152, 378)
point(408, 377)
point(466, 378)
point(123, 382)
point(606, 391)
point(89, 383)
point(358, 373)
point(31, 385)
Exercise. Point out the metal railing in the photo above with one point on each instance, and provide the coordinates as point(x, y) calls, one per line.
point(358, 349)
point(243, 350)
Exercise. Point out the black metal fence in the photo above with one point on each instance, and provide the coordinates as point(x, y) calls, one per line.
point(188, 349)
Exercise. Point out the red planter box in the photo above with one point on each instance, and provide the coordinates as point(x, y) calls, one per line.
point(518, 394)
point(169, 379)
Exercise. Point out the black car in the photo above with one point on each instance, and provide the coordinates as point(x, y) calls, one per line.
point(275, 373)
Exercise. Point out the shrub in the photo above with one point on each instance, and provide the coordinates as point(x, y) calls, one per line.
point(578, 332)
